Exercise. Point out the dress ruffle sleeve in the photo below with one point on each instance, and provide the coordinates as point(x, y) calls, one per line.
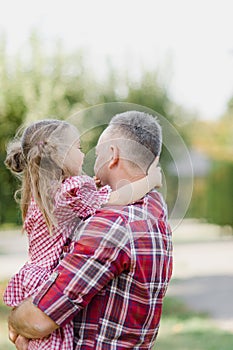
point(24, 283)
point(79, 197)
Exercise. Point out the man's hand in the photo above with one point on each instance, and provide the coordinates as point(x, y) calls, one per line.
point(12, 334)
point(20, 342)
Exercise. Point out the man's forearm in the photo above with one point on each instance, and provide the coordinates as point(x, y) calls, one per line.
point(30, 322)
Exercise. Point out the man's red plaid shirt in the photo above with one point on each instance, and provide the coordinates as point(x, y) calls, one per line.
point(113, 280)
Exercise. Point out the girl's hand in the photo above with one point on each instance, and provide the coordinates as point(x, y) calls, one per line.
point(154, 174)
point(97, 181)
point(135, 190)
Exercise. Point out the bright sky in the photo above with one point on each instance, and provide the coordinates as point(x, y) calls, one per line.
point(190, 40)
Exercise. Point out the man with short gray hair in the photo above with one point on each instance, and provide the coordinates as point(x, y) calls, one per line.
point(140, 127)
point(113, 279)
point(137, 137)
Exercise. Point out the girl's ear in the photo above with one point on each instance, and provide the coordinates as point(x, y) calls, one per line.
point(114, 157)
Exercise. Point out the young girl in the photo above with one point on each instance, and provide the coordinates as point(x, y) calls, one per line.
point(54, 198)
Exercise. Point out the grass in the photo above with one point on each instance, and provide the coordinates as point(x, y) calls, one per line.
point(9, 227)
point(5, 344)
point(181, 329)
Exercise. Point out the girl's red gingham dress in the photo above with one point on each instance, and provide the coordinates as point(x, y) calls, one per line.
point(77, 198)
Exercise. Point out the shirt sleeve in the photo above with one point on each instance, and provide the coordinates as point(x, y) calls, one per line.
point(79, 197)
point(101, 254)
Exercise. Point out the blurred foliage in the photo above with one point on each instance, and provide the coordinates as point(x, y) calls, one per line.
point(39, 86)
point(38, 83)
point(4, 313)
point(229, 110)
point(220, 194)
point(213, 194)
point(214, 138)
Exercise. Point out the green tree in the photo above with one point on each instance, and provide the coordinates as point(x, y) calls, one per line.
point(220, 194)
point(56, 85)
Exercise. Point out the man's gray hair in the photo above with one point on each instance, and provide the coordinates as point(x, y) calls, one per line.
point(145, 133)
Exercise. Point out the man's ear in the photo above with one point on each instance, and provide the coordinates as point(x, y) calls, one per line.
point(114, 157)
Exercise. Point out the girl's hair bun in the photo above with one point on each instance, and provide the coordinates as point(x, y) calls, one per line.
point(15, 160)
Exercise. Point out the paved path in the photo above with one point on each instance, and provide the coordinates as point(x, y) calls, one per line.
point(203, 271)
point(203, 267)
point(13, 252)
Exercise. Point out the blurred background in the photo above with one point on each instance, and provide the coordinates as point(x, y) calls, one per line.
point(174, 57)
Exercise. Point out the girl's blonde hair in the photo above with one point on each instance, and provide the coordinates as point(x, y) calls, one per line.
point(37, 157)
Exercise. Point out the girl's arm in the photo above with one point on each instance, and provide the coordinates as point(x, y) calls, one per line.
point(137, 189)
